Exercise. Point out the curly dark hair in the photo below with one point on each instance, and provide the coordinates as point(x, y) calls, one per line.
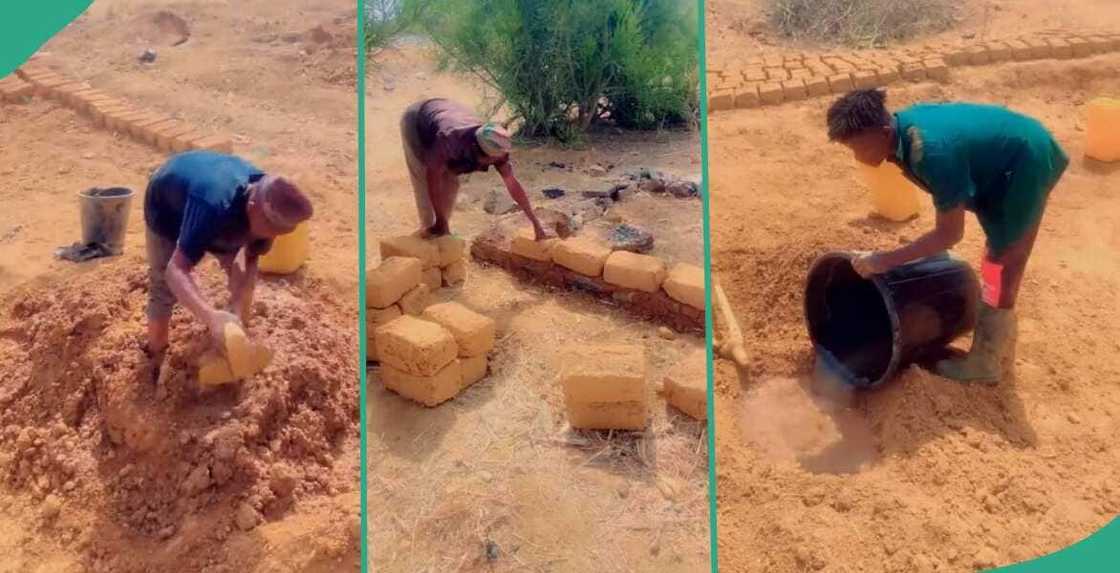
point(857, 111)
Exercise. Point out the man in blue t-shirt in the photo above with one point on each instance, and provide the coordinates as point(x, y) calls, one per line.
point(203, 202)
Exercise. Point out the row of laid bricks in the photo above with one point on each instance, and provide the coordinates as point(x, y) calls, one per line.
point(641, 284)
point(775, 79)
point(107, 112)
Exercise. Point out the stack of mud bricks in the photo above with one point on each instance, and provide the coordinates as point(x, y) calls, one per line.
point(775, 79)
point(605, 387)
point(432, 357)
point(442, 258)
point(107, 112)
point(642, 283)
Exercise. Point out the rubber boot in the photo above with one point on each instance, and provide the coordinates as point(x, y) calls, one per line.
point(992, 346)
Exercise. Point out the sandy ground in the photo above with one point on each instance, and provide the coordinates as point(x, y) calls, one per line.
point(491, 480)
point(923, 474)
point(737, 29)
point(255, 71)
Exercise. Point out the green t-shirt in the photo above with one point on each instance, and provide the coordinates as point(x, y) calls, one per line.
point(988, 159)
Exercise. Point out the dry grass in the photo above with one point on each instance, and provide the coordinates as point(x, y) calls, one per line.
point(860, 23)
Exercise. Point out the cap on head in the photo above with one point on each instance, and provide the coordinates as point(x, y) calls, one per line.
point(856, 112)
point(494, 140)
point(284, 205)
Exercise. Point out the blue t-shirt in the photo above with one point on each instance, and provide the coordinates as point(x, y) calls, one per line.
point(198, 200)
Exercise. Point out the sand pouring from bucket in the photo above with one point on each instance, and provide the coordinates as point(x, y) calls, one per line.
point(865, 330)
point(104, 215)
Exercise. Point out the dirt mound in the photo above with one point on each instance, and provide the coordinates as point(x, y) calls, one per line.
point(87, 424)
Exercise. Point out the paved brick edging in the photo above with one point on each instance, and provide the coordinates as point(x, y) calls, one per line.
point(772, 80)
point(156, 129)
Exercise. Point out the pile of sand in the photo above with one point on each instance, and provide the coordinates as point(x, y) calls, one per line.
point(84, 423)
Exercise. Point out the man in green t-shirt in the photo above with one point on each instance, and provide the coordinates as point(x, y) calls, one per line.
point(969, 157)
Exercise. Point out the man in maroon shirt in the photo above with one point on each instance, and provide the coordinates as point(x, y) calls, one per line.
point(443, 140)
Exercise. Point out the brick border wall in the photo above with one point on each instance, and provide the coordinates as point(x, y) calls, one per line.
point(108, 112)
point(772, 80)
point(494, 248)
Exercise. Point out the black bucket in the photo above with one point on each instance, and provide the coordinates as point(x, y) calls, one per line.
point(867, 329)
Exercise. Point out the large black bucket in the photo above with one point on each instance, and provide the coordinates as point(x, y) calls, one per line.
point(867, 329)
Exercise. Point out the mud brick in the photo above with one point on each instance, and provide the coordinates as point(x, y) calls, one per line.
point(1020, 51)
point(165, 138)
point(44, 87)
point(770, 93)
point(685, 284)
point(427, 390)
point(1060, 48)
point(376, 318)
point(64, 93)
point(102, 115)
point(77, 100)
point(416, 300)
point(450, 249)
point(432, 277)
point(120, 121)
point(581, 255)
point(415, 346)
point(863, 80)
point(937, 70)
point(634, 271)
point(755, 75)
point(1039, 48)
point(603, 373)
point(608, 416)
point(1099, 44)
point(472, 370)
point(14, 90)
point(218, 143)
point(686, 385)
point(777, 74)
point(914, 72)
point(840, 83)
point(525, 243)
point(1078, 46)
point(816, 86)
point(411, 246)
point(389, 281)
point(721, 98)
point(800, 73)
point(793, 90)
point(182, 142)
point(138, 126)
point(773, 61)
point(90, 101)
point(746, 96)
point(455, 273)
point(955, 56)
point(998, 52)
point(150, 133)
point(976, 55)
point(473, 332)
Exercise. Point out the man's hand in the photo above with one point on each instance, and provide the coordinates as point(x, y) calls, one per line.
point(541, 232)
point(217, 325)
point(869, 265)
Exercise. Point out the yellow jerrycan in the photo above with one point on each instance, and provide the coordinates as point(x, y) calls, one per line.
point(288, 252)
point(893, 196)
point(1103, 133)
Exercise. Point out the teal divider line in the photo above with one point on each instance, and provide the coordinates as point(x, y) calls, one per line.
point(26, 26)
point(1098, 553)
point(363, 478)
point(713, 530)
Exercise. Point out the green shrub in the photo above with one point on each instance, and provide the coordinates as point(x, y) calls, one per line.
point(388, 19)
point(862, 23)
point(561, 66)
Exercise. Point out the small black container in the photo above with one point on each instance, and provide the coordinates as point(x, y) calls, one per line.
point(867, 329)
